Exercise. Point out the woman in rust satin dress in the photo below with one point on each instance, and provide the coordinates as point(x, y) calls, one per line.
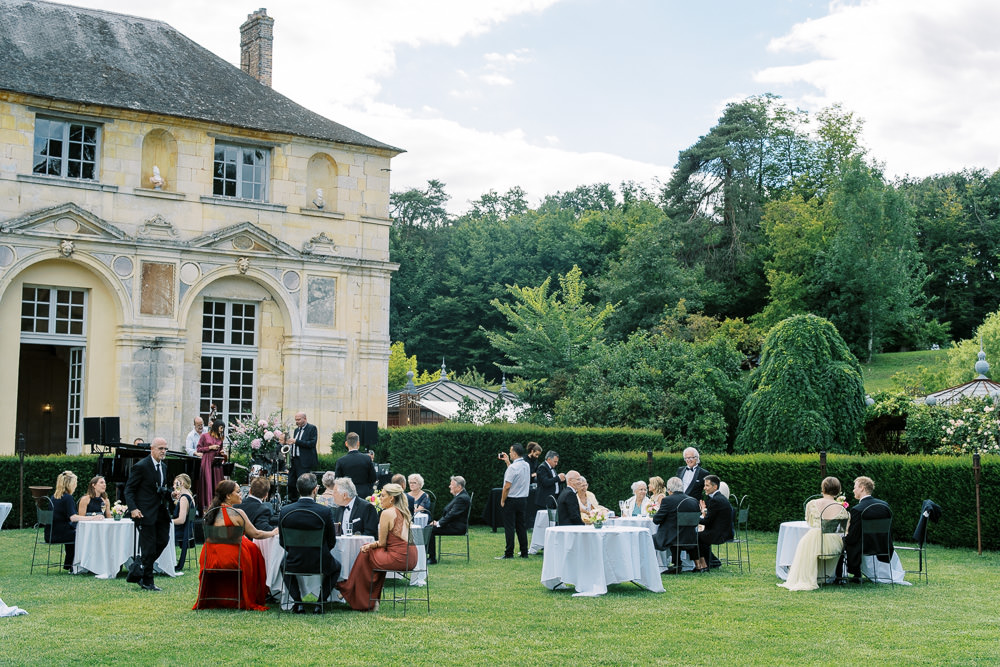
point(392, 551)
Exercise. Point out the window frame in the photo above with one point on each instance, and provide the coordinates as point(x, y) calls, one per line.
point(250, 182)
point(66, 141)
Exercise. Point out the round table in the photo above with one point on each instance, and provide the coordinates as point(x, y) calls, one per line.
point(789, 534)
point(662, 557)
point(591, 559)
point(102, 547)
point(5, 509)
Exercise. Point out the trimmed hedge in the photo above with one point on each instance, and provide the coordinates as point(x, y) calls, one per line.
point(41, 471)
point(778, 484)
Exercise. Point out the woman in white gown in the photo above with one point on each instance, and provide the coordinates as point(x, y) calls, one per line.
point(805, 565)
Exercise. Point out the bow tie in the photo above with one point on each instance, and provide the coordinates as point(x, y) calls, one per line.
point(691, 469)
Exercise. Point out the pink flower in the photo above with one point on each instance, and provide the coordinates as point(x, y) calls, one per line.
point(255, 443)
point(268, 435)
point(277, 434)
point(262, 423)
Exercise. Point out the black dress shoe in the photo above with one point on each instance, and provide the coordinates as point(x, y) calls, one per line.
point(524, 555)
point(672, 570)
point(840, 581)
point(317, 610)
point(432, 561)
point(700, 569)
point(856, 580)
point(150, 587)
point(298, 609)
point(502, 557)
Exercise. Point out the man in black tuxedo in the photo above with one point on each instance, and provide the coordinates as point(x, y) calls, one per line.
point(303, 450)
point(666, 518)
point(359, 467)
point(568, 505)
point(358, 512)
point(454, 520)
point(549, 482)
point(255, 507)
point(872, 509)
point(148, 499)
point(315, 517)
point(692, 474)
point(717, 518)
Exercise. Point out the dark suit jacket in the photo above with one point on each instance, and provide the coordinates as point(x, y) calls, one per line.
point(258, 512)
point(360, 468)
point(568, 508)
point(141, 492)
point(307, 560)
point(696, 489)
point(306, 444)
point(666, 519)
point(852, 540)
point(546, 478)
point(364, 517)
point(718, 520)
point(455, 512)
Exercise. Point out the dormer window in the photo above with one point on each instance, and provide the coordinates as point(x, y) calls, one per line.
point(65, 148)
point(240, 172)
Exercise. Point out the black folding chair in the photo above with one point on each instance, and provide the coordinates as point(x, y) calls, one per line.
point(468, 513)
point(232, 535)
point(303, 538)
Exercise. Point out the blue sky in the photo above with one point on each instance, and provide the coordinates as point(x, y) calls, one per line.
point(551, 94)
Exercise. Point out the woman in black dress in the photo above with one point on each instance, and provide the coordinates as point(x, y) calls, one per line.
point(65, 516)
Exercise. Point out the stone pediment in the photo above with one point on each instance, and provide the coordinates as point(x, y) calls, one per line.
point(245, 238)
point(65, 221)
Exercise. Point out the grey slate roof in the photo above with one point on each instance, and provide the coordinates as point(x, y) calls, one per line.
point(449, 391)
point(98, 57)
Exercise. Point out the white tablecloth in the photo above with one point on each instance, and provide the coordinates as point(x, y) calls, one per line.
point(538, 531)
point(346, 551)
point(590, 559)
point(418, 578)
point(5, 509)
point(102, 547)
point(789, 534)
point(663, 558)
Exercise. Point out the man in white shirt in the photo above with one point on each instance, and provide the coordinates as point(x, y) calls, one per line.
point(191, 444)
point(514, 500)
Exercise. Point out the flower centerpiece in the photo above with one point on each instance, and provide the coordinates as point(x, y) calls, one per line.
point(375, 500)
point(596, 517)
point(251, 435)
point(651, 509)
point(118, 511)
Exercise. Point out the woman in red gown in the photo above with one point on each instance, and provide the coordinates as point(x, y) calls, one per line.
point(210, 448)
point(392, 551)
point(253, 572)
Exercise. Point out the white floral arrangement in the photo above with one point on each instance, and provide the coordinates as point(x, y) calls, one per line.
point(118, 510)
point(598, 515)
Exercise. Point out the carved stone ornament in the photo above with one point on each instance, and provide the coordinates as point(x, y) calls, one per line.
point(157, 227)
point(243, 264)
point(66, 247)
point(319, 245)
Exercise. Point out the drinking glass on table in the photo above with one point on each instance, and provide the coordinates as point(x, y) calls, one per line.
point(348, 529)
point(621, 506)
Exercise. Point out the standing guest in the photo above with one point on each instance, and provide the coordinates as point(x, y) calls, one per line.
point(256, 507)
point(191, 443)
point(568, 504)
point(421, 501)
point(303, 450)
point(253, 571)
point(863, 489)
point(309, 559)
point(638, 504)
point(64, 516)
point(454, 521)
point(183, 529)
point(148, 502)
point(657, 491)
point(327, 497)
point(95, 501)
point(514, 500)
point(353, 511)
point(534, 458)
point(666, 519)
point(549, 482)
point(692, 474)
point(210, 447)
point(359, 467)
point(717, 519)
point(390, 551)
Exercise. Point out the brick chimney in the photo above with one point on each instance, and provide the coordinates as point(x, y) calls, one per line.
point(256, 44)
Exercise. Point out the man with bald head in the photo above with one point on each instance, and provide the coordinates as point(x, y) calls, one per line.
point(303, 452)
point(148, 498)
point(568, 505)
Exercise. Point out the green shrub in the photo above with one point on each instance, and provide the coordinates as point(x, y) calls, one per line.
point(41, 471)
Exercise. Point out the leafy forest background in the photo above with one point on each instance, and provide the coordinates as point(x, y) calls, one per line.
point(646, 305)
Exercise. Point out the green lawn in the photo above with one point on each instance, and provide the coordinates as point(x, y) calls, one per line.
point(877, 374)
point(497, 612)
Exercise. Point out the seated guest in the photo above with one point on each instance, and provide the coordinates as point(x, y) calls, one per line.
point(391, 551)
point(398, 478)
point(301, 559)
point(256, 508)
point(326, 498)
point(64, 515)
point(421, 501)
point(588, 501)
point(717, 522)
point(352, 511)
point(454, 519)
point(183, 529)
point(638, 504)
point(568, 503)
point(666, 518)
point(805, 566)
point(95, 502)
point(253, 572)
point(657, 491)
point(879, 509)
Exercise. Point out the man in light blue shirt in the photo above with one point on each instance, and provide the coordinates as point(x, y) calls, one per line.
point(514, 500)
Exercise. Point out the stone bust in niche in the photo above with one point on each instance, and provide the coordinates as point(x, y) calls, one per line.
point(318, 201)
point(156, 180)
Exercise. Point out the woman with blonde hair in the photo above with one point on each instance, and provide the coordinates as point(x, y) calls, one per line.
point(657, 490)
point(816, 545)
point(392, 551)
point(64, 516)
point(95, 502)
point(184, 529)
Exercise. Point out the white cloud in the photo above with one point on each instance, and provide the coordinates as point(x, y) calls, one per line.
point(496, 80)
point(921, 73)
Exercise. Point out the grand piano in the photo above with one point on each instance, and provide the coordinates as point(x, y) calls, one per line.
point(116, 468)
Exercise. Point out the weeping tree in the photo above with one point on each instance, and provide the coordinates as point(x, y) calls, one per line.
point(807, 395)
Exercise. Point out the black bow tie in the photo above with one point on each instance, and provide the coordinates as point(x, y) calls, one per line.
point(691, 469)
